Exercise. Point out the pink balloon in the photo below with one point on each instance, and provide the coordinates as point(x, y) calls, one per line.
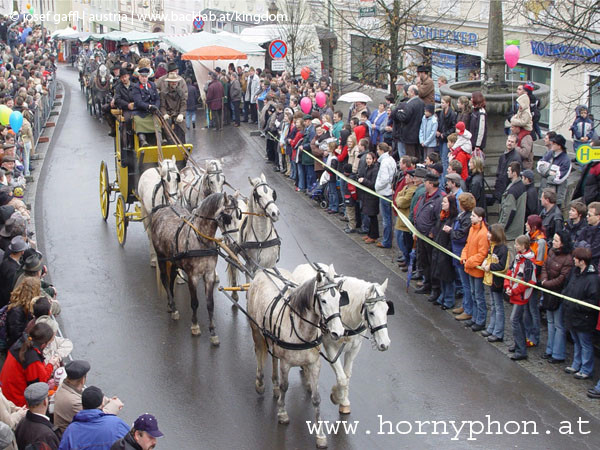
point(511, 55)
point(321, 99)
point(305, 105)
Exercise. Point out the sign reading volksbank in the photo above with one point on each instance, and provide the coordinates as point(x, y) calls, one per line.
point(455, 37)
point(569, 52)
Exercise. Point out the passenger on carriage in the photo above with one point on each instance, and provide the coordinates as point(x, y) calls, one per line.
point(147, 101)
point(123, 99)
point(173, 105)
point(126, 55)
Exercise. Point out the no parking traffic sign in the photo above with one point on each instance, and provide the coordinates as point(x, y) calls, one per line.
point(278, 49)
point(198, 23)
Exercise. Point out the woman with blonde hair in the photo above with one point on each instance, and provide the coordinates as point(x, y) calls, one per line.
point(20, 308)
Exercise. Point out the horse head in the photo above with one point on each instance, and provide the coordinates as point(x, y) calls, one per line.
point(214, 176)
point(170, 178)
point(103, 73)
point(233, 206)
point(329, 299)
point(265, 196)
point(375, 310)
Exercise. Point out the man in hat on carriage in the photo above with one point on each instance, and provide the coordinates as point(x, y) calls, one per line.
point(162, 83)
point(123, 100)
point(146, 100)
point(125, 55)
point(173, 105)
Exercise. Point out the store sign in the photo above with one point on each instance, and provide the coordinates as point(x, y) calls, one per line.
point(569, 52)
point(447, 36)
point(367, 12)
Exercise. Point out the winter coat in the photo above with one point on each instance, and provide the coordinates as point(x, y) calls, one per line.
point(192, 98)
point(427, 131)
point(67, 403)
point(15, 377)
point(501, 254)
point(501, 173)
point(523, 269)
point(446, 124)
point(539, 247)
point(552, 221)
point(172, 103)
point(591, 235)
point(581, 286)
point(126, 443)
point(525, 149)
point(370, 206)
point(252, 88)
point(476, 186)
point(92, 428)
point(10, 413)
point(317, 149)
point(36, 429)
point(427, 91)
point(478, 128)
point(441, 263)
point(427, 211)
point(8, 271)
point(555, 274)
point(402, 200)
point(465, 118)
point(394, 121)
point(532, 204)
point(16, 321)
point(588, 185)
point(562, 161)
point(460, 231)
point(463, 157)
point(143, 97)
point(409, 115)
point(575, 230)
point(475, 250)
point(523, 117)
point(309, 134)
point(512, 210)
point(463, 141)
point(582, 128)
point(380, 122)
point(123, 96)
point(235, 91)
point(214, 95)
point(385, 176)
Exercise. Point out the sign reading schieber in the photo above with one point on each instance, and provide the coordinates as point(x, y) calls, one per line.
point(586, 154)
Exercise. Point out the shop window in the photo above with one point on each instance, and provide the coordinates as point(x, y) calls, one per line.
point(369, 61)
point(522, 73)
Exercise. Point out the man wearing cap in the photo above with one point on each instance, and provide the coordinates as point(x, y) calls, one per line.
point(555, 168)
point(146, 100)
point(425, 85)
point(532, 205)
point(453, 186)
point(173, 105)
point(214, 101)
point(67, 401)
point(9, 267)
point(126, 55)
point(91, 427)
point(36, 427)
point(142, 436)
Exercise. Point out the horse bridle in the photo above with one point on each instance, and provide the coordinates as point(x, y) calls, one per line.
point(169, 171)
point(365, 312)
point(257, 197)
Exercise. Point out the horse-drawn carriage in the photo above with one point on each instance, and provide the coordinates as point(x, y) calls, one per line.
point(131, 160)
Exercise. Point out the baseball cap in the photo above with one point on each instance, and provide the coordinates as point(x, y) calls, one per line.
point(149, 424)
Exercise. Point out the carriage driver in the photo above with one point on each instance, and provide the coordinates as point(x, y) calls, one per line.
point(128, 58)
point(173, 105)
point(146, 102)
point(106, 114)
point(123, 99)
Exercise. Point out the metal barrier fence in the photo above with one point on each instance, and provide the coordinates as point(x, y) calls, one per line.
point(43, 110)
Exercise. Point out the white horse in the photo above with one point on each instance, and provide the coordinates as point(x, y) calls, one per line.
point(258, 241)
point(197, 186)
point(367, 311)
point(289, 322)
point(158, 186)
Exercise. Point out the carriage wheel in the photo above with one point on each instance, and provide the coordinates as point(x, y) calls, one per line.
point(121, 220)
point(104, 190)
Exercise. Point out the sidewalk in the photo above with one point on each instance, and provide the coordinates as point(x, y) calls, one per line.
point(552, 375)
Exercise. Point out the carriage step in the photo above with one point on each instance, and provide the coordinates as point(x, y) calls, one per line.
point(57, 104)
point(50, 124)
point(54, 113)
point(44, 139)
point(58, 96)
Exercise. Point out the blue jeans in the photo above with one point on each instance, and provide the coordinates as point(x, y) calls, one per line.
point(467, 301)
point(446, 297)
point(444, 158)
point(404, 253)
point(557, 339)
point(531, 319)
point(516, 321)
point(235, 112)
point(478, 296)
point(190, 117)
point(332, 194)
point(583, 352)
point(401, 149)
point(496, 325)
point(302, 177)
point(386, 214)
point(294, 173)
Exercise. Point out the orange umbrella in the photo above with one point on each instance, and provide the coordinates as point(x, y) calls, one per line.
point(214, 52)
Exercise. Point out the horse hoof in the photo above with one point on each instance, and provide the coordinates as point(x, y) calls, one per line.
point(344, 409)
point(196, 330)
point(235, 296)
point(283, 418)
point(214, 340)
point(321, 442)
point(333, 399)
point(175, 315)
point(260, 388)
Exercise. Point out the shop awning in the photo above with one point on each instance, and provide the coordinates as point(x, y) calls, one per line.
point(213, 53)
point(132, 36)
point(191, 41)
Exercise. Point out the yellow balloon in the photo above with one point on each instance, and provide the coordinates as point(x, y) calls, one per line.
point(28, 6)
point(5, 113)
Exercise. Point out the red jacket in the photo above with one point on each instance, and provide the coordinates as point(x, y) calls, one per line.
point(360, 132)
point(463, 157)
point(523, 269)
point(15, 377)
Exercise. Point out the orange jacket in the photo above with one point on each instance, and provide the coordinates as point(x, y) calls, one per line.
point(475, 250)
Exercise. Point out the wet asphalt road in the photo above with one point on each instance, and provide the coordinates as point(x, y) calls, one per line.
point(203, 396)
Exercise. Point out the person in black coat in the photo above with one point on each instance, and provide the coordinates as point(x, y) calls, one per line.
point(532, 206)
point(35, 428)
point(509, 155)
point(588, 186)
point(475, 182)
point(409, 115)
point(580, 320)
point(370, 203)
point(9, 268)
point(446, 126)
point(146, 100)
point(441, 263)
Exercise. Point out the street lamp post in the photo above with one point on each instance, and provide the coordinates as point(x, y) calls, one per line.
point(273, 10)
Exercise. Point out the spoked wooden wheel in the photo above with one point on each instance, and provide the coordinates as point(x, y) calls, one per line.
point(121, 220)
point(104, 190)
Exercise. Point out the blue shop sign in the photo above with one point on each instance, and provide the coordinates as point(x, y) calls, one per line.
point(569, 52)
point(447, 36)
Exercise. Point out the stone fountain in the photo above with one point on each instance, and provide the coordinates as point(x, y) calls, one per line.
point(499, 94)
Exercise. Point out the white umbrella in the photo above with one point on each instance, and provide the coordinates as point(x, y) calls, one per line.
point(352, 97)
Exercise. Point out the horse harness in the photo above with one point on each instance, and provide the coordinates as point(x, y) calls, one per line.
point(256, 244)
point(364, 311)
point(166, 194)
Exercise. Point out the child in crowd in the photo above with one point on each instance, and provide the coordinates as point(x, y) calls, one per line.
point(497, 261)
point(462, 149)
point(429, 126)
